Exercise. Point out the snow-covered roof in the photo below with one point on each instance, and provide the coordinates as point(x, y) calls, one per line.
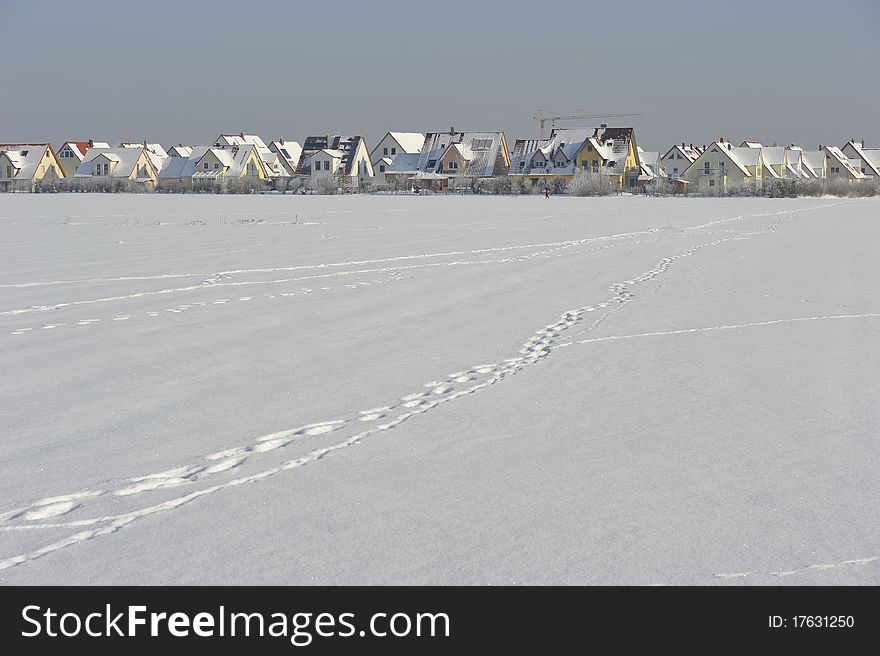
point(25, 158)
point(78, 148)
point(748, 143)
point(773, 155)
point(813, 162)
point(404, 163)
point(242, 139)
point(689, 151)
point(179, 151)
point(836, 154)
point(234, 159)
point(335, 154)
point(480, 150)
point(410, 142)
point(289, 152)
point(869, 156)
point(125, 158)
point(348, 145)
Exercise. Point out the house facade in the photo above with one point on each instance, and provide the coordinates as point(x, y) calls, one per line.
point(344, 158)
point(392, 145)
point(23, 166)
point(120, 163)
point(722, 164)
point(840, 167)
point(678, 158)
point(869, 157)
point(606, 151)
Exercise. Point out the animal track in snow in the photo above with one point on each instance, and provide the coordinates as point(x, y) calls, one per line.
point(246, 458)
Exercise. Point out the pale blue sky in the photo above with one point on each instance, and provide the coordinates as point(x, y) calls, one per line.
point(172, 71)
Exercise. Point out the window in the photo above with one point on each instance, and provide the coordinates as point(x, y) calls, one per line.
point(721, 165)
point(205, 166)
point(394, 151)
point(481, 144)
point(595, 163)
point(8, 171)
point(706, 167)
point(675, 170)
point(711, 183)
point(384, 151)
point(452, 165)
point(216, 166)
point(589, 148)
point(432, 163)
point(381, 168)
point(285, 153)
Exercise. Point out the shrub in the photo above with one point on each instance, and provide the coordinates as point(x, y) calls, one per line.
point(587, 183)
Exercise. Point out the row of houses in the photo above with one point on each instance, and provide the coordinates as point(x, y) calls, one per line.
point(436, 160)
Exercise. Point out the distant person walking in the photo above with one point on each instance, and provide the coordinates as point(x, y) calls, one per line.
point(546, 191)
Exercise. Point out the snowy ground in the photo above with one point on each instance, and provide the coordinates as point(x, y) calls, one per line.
point(439, 390)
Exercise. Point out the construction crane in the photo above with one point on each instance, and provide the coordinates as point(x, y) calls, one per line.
point(542, 119)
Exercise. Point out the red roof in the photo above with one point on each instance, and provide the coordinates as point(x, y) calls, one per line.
point(82, 146)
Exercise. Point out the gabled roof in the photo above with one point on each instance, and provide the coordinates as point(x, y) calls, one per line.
point(234, 158)
point(410, 142)
point(25, 158)
point(837, 155)
point(404, 163)
point(126, 159)
point(689, 152)
point(348, 145)
point(289, 152)
point(179, 151)
point(480, 150)
point(869, 156)
point(748, 143)
point(742, 157)
point(813, 162)
point(78, 148)
point(240, 140)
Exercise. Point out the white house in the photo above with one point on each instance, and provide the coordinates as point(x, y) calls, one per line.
point(869, 157)
point(839, 166)
point(288, 153)
point(345, 158)
point(678, 158)
point(392, 145)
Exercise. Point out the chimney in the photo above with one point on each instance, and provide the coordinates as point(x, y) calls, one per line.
point(281, 141)
point(863, 143)
point(820, 146)
point(720, 139)
point(451, 130)
point(91, 143)
point(241, 135)
point(682, 144)
point(691, 146)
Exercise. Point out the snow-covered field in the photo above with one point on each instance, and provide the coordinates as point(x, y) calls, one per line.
point(379, 390)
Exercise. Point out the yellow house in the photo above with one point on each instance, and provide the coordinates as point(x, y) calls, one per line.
point(120, 163)
point(722, 164)
point(22, 166)
point(611, 152)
